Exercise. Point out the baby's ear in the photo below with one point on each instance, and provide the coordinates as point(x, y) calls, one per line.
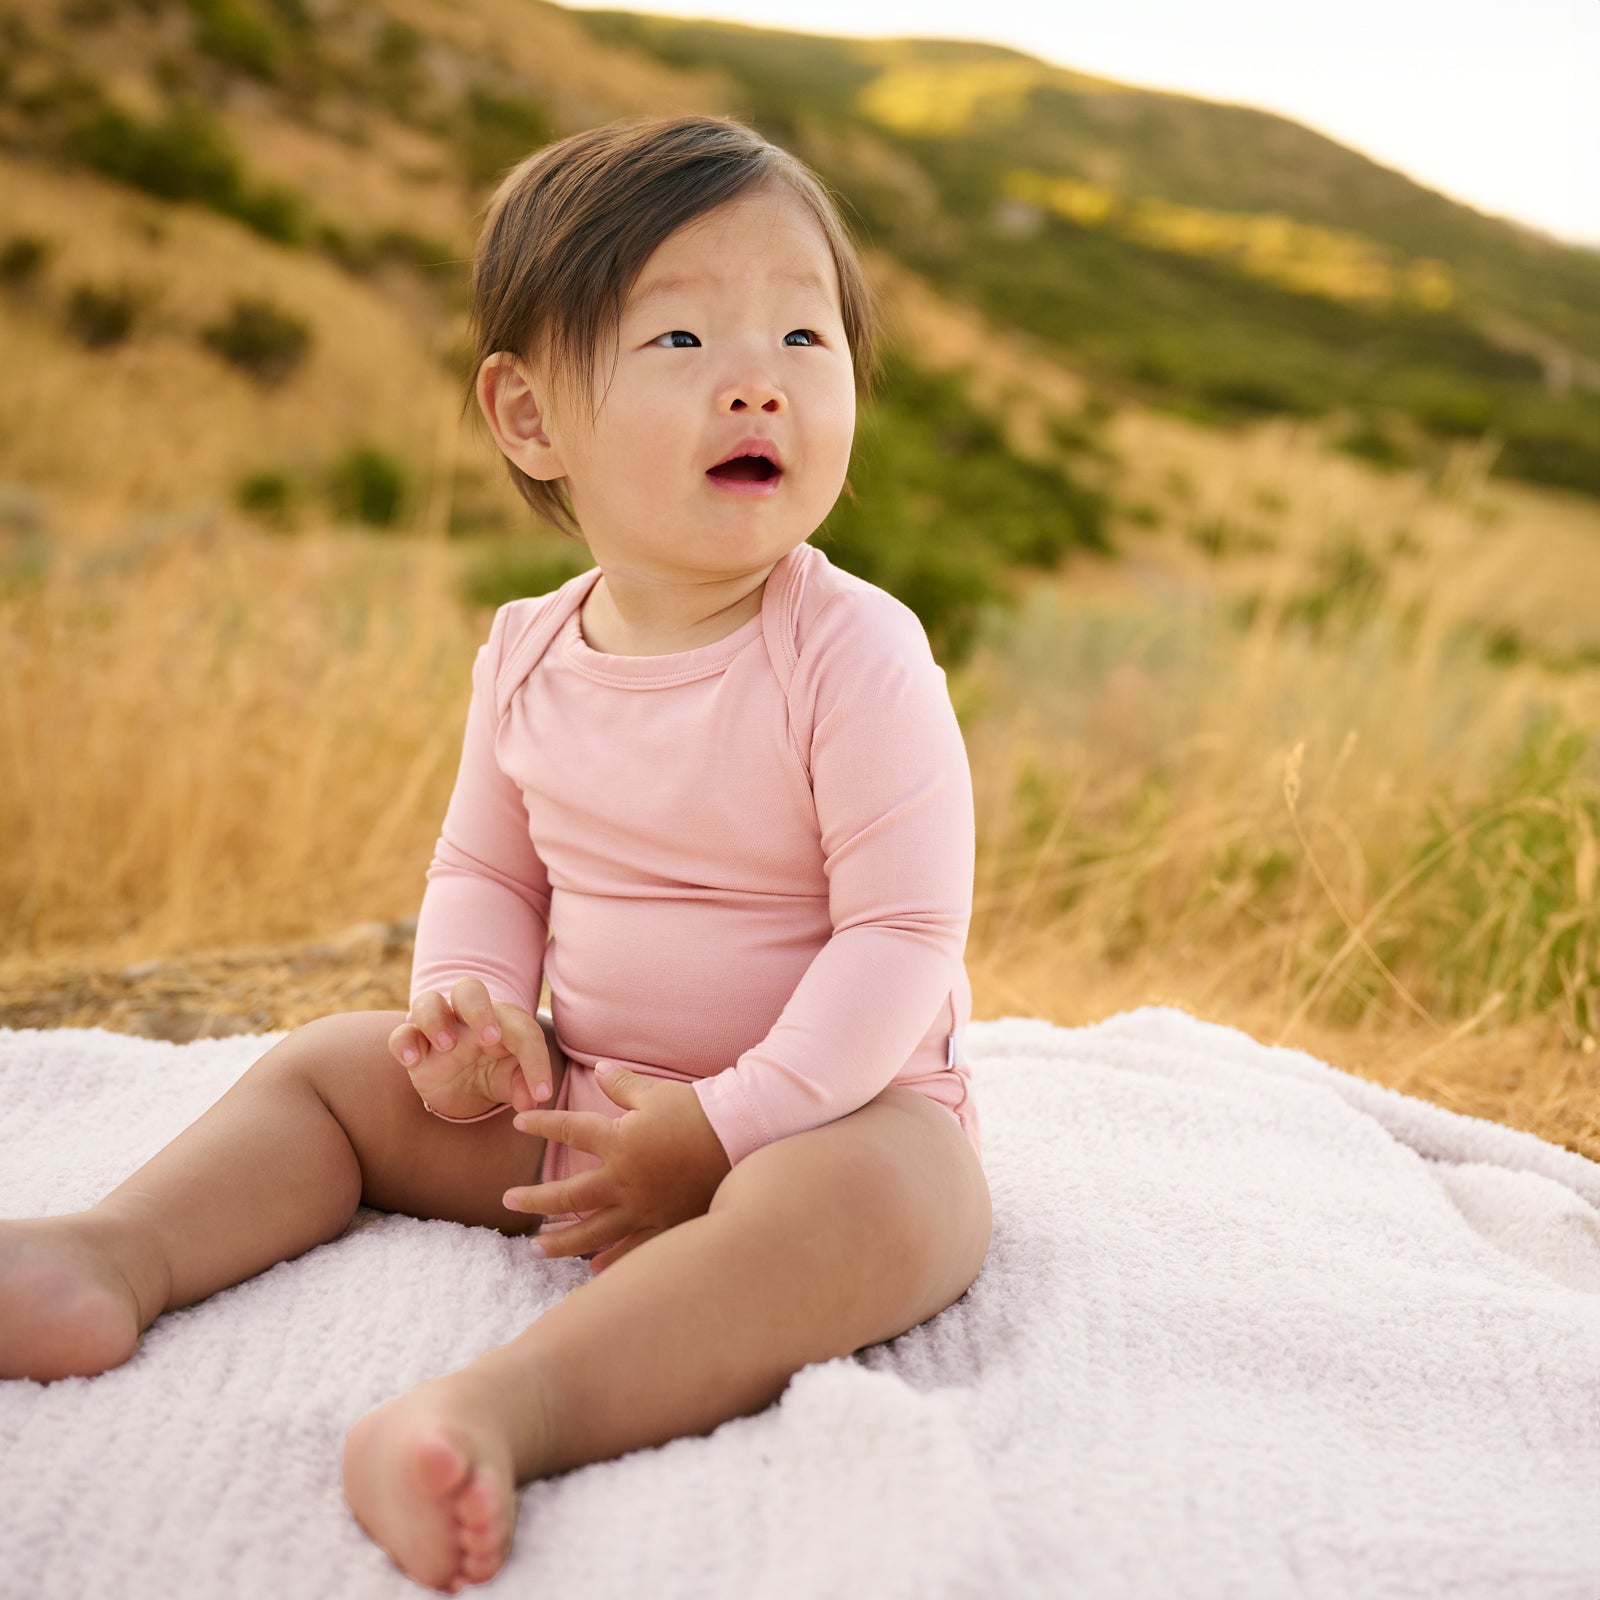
point(515, 411)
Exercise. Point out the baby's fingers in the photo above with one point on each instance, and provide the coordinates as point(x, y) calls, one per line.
point(583, 1130)
point(586, 1192)
point(598, 1232)
point(408, 1044)
point(434, 1019)
point(478, 1013)
point(529, 1076)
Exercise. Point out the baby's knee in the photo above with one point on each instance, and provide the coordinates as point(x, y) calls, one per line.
point(342, 1048)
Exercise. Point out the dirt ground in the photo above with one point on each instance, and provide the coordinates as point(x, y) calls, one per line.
point(259, 990)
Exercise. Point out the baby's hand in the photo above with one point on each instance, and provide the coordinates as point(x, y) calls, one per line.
point(659, 1164)
point(470, 1053)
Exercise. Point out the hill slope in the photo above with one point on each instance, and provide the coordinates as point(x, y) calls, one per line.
point(232, 269)
point(1220, 259)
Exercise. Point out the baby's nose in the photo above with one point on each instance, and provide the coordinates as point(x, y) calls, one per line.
point(756, 394)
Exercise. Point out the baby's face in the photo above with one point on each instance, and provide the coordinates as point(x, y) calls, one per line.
point(737, 348)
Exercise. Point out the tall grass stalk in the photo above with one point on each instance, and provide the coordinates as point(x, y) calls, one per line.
point(225, 740)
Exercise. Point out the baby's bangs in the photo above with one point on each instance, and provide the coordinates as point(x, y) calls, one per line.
point(596, 258)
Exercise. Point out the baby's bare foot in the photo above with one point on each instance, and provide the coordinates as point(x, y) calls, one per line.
point(66, 1310)
point(433, 1485)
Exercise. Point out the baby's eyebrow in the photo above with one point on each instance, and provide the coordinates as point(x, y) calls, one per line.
point(672, 283)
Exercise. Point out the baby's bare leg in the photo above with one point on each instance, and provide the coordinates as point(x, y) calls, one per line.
point(324, 1120)
point(813, 1247)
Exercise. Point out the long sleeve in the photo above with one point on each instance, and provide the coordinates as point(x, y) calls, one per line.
point(486, 909)
point(893, 795)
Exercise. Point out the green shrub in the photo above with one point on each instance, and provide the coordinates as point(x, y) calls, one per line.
point(187, 155)
point(236, 34)
point(1253, 392)
point(413, 249)
point(1143, 514)
point(60, 102)
point(273, 211)
point(366, 484)
point(1073, 435)
point(362, 253)
point(97, 318)
point(271, 495)
point(397, 55)
point(1368, 442)
point(1459, 412)
point(528, 565)
point(1505, 646)
point(268, 343)
point(22, 259)
point(495, 131)
point(943, 511)
point(1565, 457)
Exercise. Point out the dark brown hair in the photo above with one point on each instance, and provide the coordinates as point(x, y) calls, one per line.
point(569, 229)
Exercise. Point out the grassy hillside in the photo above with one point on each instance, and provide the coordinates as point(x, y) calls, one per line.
point(244, 224)
point(1212, 258)
point(232, 265)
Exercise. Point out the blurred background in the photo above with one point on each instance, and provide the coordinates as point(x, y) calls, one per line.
point(1248, 487)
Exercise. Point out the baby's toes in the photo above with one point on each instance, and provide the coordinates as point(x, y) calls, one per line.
point(483, 1512)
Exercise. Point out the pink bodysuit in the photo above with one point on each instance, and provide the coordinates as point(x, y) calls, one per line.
point(747, 866)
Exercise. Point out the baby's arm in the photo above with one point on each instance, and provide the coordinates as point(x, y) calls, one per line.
point(893, 793)
point(486, 910)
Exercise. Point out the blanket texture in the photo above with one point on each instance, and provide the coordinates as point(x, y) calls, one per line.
point(1249, 1326)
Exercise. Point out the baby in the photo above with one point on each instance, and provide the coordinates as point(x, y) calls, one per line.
point(714, 790)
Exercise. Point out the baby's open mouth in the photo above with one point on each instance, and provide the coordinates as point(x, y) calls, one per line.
point(752, 469)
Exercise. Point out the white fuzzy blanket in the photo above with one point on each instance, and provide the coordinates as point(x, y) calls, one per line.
point(1249, 1326)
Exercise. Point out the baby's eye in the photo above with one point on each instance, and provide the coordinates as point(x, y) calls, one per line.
point(810, 336)
point(676, 333)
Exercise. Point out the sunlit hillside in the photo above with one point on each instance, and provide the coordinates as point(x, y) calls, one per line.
point(1216, 260)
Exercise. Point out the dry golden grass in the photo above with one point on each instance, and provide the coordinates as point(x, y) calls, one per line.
point(227, 740)
point(1126, 809)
